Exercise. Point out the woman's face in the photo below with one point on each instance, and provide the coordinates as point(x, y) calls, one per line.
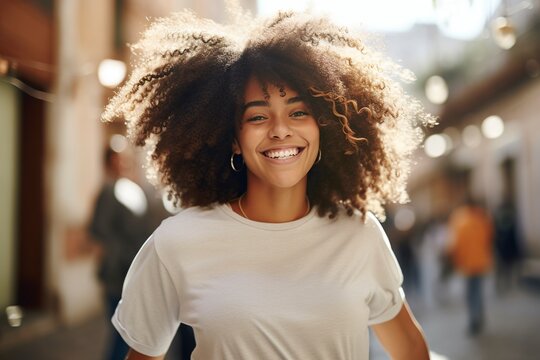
point(278, 137)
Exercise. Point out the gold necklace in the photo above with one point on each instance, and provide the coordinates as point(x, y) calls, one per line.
point(244, 213)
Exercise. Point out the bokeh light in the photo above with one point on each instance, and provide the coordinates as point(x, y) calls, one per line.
point(492, 127)
point(118, 143)
point(471, 136)
point(169, 204)
point(404, 219)
point(504, 33)
point(111, 72)
point(436, 89)
point(131, 195)
point(435, 145)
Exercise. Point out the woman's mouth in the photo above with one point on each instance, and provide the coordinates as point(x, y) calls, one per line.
point(283, 153)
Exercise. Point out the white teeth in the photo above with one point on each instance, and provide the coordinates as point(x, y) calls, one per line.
point(282, 154)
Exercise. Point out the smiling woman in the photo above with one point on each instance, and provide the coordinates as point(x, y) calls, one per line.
point(279, 141)
point(279, 137)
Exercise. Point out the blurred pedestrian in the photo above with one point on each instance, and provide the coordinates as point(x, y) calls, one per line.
point(507, 236)
point(471, 250)
point(120, 227)
point(434, 262)
point(507, 245)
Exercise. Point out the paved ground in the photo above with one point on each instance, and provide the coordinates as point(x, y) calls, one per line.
point(512, 331)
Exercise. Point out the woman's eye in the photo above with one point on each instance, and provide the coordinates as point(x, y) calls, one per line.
point(256, 118)
point(299, 113)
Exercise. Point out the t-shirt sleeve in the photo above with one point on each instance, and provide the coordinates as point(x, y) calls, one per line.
point(147, 317)
point(386, 296)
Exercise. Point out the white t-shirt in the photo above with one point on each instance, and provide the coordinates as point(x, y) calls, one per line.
point(306, 289)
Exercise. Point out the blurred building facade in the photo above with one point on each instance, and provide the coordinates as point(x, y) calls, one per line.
point(51, 147)
point(506, 166)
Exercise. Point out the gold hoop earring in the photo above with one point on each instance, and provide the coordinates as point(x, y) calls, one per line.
point(232, 162)
point(318, 157)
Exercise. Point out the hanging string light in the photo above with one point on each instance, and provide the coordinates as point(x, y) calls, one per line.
point(110, 74)
point(502, 29)
point(504, 33)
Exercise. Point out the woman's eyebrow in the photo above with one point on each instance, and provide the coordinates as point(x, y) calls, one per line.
point(255, 103)
point(292, 100)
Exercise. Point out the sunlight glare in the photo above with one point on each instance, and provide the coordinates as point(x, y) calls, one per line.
point(459, 19)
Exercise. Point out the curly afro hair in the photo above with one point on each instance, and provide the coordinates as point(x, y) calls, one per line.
point(185, 95)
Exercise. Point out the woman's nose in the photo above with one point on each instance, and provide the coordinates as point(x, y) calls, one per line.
point(280, 128)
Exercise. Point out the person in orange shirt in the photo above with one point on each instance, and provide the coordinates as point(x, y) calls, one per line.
point(471, 251)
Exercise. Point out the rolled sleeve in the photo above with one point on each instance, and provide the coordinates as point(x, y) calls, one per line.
point(147, 317)
point(386, 296)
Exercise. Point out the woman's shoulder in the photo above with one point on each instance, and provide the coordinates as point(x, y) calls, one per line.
point(366, 230)
point(193, 213)
point(358, 221)
point(188, 224)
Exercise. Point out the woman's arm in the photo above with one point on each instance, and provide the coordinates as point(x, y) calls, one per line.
point(402, 337)
point(134, 355)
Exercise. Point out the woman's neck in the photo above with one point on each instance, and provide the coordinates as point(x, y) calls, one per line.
point(273, 205)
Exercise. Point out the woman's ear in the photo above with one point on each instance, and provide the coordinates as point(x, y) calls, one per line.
point(236, 147)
